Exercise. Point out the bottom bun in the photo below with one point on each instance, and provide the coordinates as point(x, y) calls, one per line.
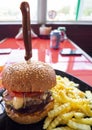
point(29, 118)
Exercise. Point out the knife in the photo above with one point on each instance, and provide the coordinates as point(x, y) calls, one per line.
point(25, 9)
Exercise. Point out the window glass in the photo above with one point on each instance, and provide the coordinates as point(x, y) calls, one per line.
point(61, 10)
point(10, 10)
point(85, 11)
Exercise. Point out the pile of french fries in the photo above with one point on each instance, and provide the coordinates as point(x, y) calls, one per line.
point(72, 107)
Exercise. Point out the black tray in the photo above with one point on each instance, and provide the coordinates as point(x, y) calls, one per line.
point(7, 124)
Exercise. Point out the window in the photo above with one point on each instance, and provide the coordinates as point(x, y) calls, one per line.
point(48, 10)
point(61, 10)
point(85, 10)
point(10, 10)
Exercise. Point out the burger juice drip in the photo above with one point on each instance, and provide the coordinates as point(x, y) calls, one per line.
point(35, 102)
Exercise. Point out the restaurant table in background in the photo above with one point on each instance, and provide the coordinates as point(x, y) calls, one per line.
point(79, 66)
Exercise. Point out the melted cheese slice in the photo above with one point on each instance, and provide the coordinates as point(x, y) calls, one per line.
point(17, 102)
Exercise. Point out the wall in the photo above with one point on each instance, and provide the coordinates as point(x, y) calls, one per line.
point(80, 34)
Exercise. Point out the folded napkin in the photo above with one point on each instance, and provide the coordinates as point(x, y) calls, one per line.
point(20, 34)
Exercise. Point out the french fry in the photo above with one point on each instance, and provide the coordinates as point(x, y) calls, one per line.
point(66, 117)
point(79, 115)
point(87, 110)
point(78, 126)
point(61, 109)
point(89, 95)
point(87, 121)
point(55, 122)
point(63, 128)
point(47, 122)
point(60, 119)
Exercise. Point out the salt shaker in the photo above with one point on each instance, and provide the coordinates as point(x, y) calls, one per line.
point(63, 34)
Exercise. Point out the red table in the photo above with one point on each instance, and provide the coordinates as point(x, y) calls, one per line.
point(79, 66)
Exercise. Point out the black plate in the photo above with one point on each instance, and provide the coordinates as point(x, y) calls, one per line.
point(7, 124)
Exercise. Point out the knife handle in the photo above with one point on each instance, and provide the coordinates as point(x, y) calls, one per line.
point(25, 9)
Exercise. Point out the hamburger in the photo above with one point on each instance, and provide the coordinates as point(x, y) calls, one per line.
point(27, 93)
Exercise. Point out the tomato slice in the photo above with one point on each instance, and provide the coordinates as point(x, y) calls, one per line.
point(33, 94)
point(16, 94)
point(26, 94)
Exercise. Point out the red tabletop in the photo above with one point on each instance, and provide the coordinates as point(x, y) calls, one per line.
point(78, 66)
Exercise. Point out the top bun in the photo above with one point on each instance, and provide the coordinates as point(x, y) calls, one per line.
point(28, 77)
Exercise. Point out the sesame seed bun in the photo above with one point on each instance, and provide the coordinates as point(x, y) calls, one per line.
point(28, 77)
